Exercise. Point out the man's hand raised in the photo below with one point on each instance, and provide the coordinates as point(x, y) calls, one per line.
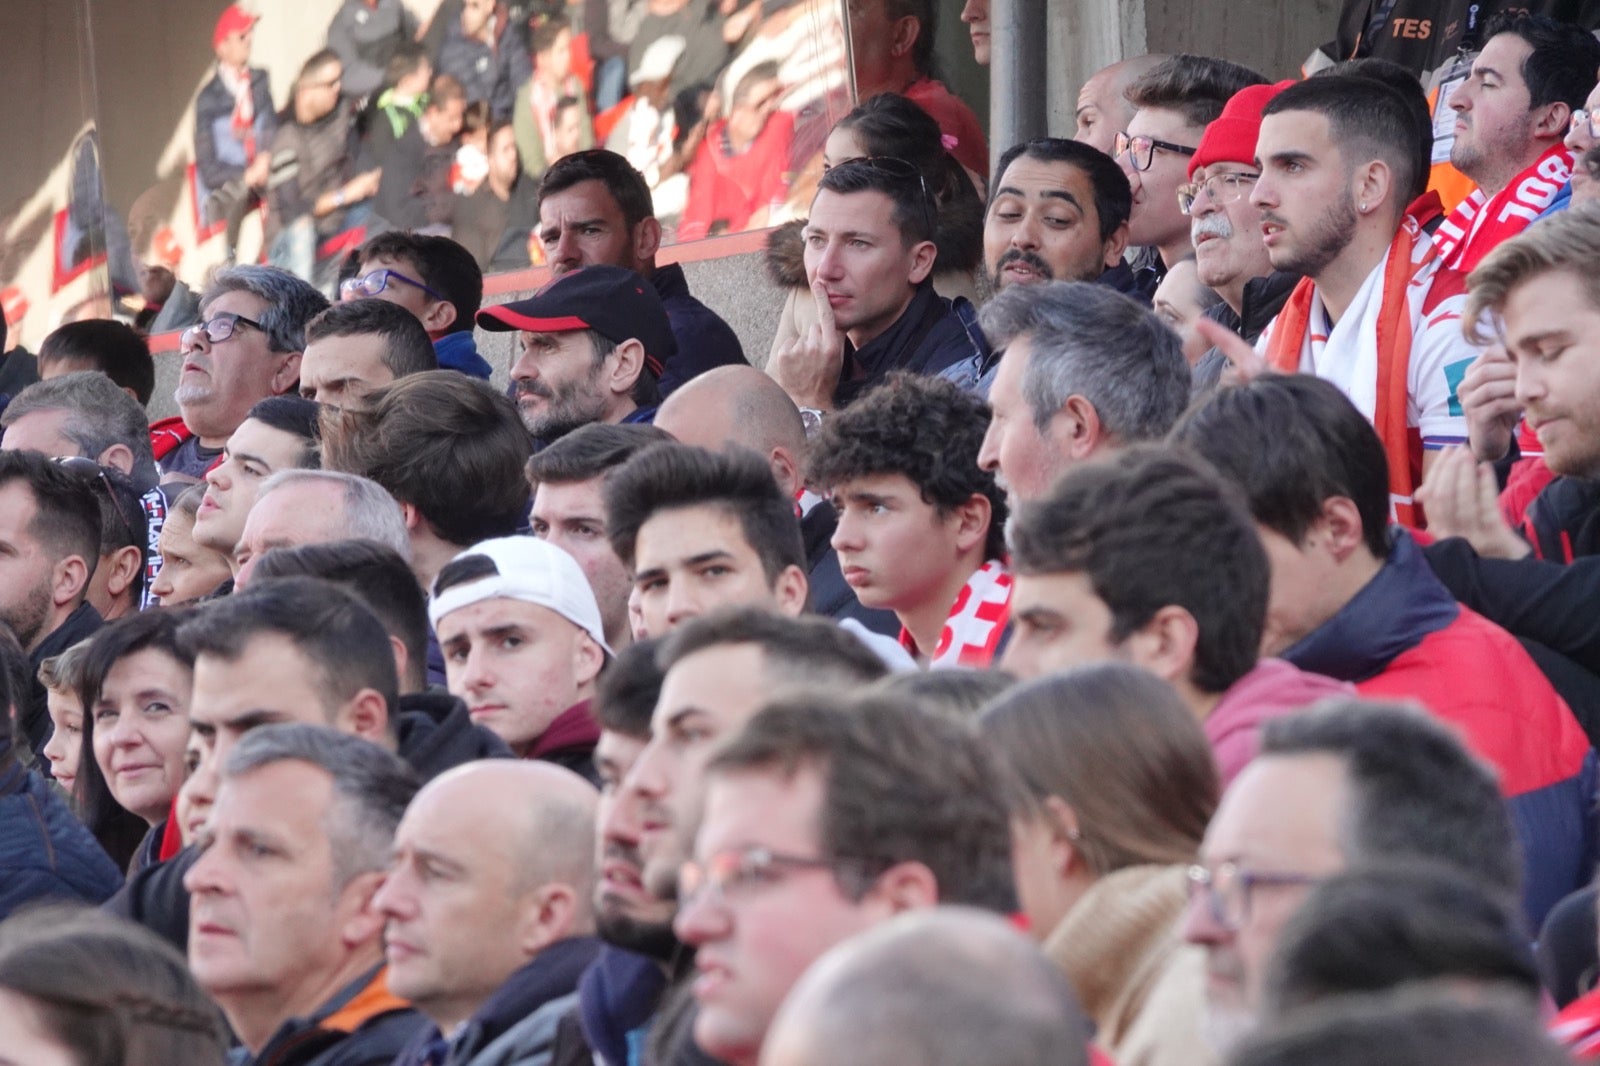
point(809, 366)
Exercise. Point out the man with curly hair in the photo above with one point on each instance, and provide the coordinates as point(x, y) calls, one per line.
point(920, 524)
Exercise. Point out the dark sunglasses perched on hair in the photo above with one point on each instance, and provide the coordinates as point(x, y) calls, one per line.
point(88, 468)
point(896, 168)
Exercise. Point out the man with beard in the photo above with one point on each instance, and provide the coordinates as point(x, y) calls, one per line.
point(1230, 257)
point(1376, 314)
point(590, 348)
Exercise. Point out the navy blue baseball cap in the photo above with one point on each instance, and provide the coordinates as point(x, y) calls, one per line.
point(616, 303)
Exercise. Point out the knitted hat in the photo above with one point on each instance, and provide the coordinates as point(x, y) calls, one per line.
point(1232, 137)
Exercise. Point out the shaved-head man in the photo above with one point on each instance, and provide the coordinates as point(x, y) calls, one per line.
point(487, 905)
point(903, 993)
point(1103, 107)
point(742, 407)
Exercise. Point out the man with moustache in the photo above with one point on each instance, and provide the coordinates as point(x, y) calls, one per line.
point(1230, 257)
point(1377, 313)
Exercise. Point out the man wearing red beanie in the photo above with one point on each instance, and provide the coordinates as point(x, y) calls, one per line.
point(1230, 256)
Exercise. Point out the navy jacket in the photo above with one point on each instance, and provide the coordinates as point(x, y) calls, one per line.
point(45, 852)
point(617, 1000)
point(931, 335)
point(704, 339)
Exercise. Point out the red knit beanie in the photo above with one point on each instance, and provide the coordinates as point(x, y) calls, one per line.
point(1232, 137)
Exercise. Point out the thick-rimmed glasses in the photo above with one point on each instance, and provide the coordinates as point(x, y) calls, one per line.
point(375, 281)
point(732, 873)
point(1586, 119)
point(897, 168)
point(1140, 151)
point(1220, 189)
point(218, 328)
point(87, 468)
point(1229, 888)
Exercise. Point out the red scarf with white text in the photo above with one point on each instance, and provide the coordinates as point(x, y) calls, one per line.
point(1480, 222)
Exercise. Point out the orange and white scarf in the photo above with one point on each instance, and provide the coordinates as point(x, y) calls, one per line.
point(1387, 317)
point(977, 623)
point(1481, 222)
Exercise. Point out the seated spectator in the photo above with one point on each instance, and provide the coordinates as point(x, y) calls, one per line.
point(291, 949)
point(434, 278)
point(740, 407)
point(471, 163)
point(975, 13)
point(870, 808)
point(189, 570)
point(406, 78)
point(523, 645)
point(1063, 392)
point(869, 255)
point(643, 133)
point(233, 126)
point(568, 511)
point(367, 35)
point(903, 993)
point(719, 671)
point(228, 370)
point(1376, 928)
point(296, 507)
point(414, 188)
point(1537, 289)
point(1412, 1027)
point(355, 348)
point(450, 450)
point(84, 419)
point(492, 954)
point(50, 522)
point(279, 434)
point(888, 125)
point(591, 346)
point(318, 188)
point(1174, 101)
point(101, 344)
point(480, 52)
point(596, 210)
point(701, 530)
point(497, 221)
point(957, 694)
point(62, 678)
point(892, 48)
point(1344, 784)
point(1149, 559)
point(1103, 108)
point(116, 588)
point(136, 679)
point(45, 852)
point(1314, 473)
point(433, 729)
point(921, 527)
point(143, 1001)
point(1181, 303)
point(534, 114)
point(742, 167)
point(1118, 787)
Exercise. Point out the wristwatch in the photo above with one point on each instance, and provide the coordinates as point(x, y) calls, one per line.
point(811, 418)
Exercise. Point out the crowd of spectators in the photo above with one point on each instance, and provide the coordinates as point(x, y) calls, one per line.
point(1139, 612)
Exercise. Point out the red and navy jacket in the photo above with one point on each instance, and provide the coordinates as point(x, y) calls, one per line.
point(1403, 636)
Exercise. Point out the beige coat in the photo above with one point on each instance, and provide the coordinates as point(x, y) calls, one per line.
point(1143, 987)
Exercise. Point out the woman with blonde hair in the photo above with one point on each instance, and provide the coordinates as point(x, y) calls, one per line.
point(1115, 785)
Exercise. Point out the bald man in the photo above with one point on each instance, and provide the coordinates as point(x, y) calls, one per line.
point(742, 407)
point(1103, 107)
point(903, 993)
point(487, 906)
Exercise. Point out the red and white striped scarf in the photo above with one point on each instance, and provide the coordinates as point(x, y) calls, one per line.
point(1480, 223)
point(977, 621)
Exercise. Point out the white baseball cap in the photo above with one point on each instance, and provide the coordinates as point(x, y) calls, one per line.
point(527, 569)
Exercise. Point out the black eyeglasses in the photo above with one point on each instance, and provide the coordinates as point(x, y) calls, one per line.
point(897, 168)
point(85, 467)
point(218, 328)
point(1141, 150)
